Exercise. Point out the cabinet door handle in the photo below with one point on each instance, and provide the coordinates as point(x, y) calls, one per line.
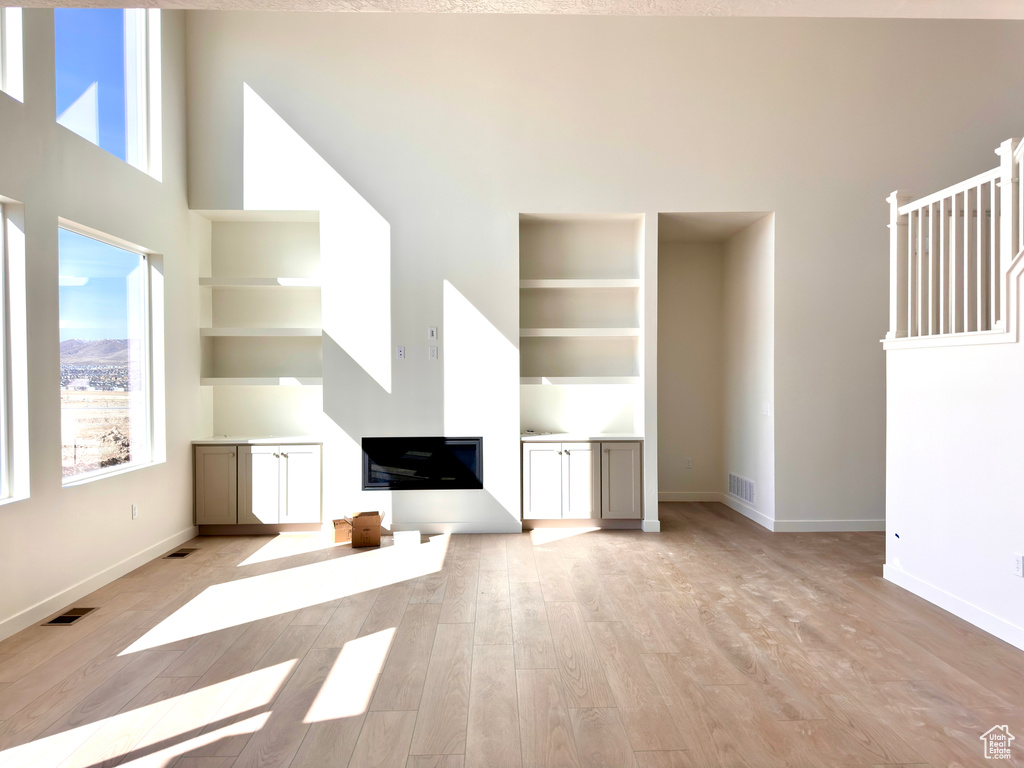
point(559, 453)
point(566, 451)
point(277, 455)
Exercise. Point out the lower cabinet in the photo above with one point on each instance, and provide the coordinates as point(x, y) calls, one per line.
point(581, 481)
point(621, 482)
point(216, 479)
point(257, 484)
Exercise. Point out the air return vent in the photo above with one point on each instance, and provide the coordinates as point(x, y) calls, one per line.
point(741, 488)
point(178, 554)
point(69, 616)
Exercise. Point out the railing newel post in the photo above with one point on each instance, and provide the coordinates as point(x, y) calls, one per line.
point(1009, 225)
point(899, 272)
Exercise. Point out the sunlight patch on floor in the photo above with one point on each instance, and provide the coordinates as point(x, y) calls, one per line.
point(288, 545)
point(245, 600)
point(539, 536)
point(349, 686)
point(139, 732)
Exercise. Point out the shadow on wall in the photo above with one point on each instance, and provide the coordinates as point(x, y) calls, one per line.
point(480, 366)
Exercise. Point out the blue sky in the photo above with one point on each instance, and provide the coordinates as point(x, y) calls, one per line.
point(89, 44)
point(94, 283)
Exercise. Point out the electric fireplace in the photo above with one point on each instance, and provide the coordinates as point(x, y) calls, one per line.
point(422, 463)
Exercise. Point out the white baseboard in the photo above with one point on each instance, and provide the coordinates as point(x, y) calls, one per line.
point(64, 598)
point(651, 526)
point(747, 511)
point(689, 496)
point(774, 524)
point(827, 526)
point(969, 612)
point(432, 529)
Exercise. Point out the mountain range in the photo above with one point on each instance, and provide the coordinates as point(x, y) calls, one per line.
point(94, 352)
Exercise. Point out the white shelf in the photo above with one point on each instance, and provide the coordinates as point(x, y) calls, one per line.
point(264, 381)
point(260, 331)
point(259, 217)
point(574, 381)
point(260, 282)
point(590, 332)
point(563, 283)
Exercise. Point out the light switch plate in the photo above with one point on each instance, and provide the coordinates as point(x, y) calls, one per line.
point(432, 333)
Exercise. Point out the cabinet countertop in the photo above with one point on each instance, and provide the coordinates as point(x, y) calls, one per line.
point(271, 440)
point(580, 438)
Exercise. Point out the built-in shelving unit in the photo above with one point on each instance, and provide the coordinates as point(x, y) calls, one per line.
point(580, 306)
point(260, 325)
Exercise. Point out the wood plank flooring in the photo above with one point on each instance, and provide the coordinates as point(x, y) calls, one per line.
point(714, 643)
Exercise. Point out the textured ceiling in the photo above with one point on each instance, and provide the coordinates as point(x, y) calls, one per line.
point(939, 9)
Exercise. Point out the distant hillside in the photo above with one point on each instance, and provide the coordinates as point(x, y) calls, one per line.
point(94, 352)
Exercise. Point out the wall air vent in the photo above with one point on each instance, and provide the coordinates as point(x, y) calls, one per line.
point(741, 488)
point(179, 553)
point(69, 616)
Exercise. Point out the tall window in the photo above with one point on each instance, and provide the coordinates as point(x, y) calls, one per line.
point(11, 67)
point(104, 356)
point(107, 66)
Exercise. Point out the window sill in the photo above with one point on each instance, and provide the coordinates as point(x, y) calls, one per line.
point(102, 474)
point(12, 499)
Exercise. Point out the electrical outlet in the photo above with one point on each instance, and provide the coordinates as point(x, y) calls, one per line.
point(135, 511)
point(1018, 565)
point(689, 463)
point(433, 353)
point(432, 333)
point(400, 353)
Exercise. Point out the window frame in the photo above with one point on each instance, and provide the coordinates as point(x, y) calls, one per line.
point(148, 387)
point(142, 91)
point(5, 364)
point(12, 63)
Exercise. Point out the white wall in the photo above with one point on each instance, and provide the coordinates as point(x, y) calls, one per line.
point(690, 370)
point(63, 542)
point(953, 498)
point(449, 126)
point(748, 308)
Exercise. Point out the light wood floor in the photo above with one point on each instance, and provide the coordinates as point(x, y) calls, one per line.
point(714, 643)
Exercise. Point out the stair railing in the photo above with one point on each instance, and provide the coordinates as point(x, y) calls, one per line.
point(950, 253)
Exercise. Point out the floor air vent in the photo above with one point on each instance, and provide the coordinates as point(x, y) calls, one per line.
point(69, 616)
point(741, 488)
point(178, 554)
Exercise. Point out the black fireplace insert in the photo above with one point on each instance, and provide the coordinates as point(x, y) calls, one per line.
point(422, 463)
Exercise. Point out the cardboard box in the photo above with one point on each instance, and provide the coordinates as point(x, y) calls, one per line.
point(366, 529)
point(342, 531)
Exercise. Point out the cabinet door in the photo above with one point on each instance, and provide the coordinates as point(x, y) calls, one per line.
point(259, 485)
point(216, 485)
point(620, 481)
point(581, 480)
point(300, 492)
point(542, 481)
